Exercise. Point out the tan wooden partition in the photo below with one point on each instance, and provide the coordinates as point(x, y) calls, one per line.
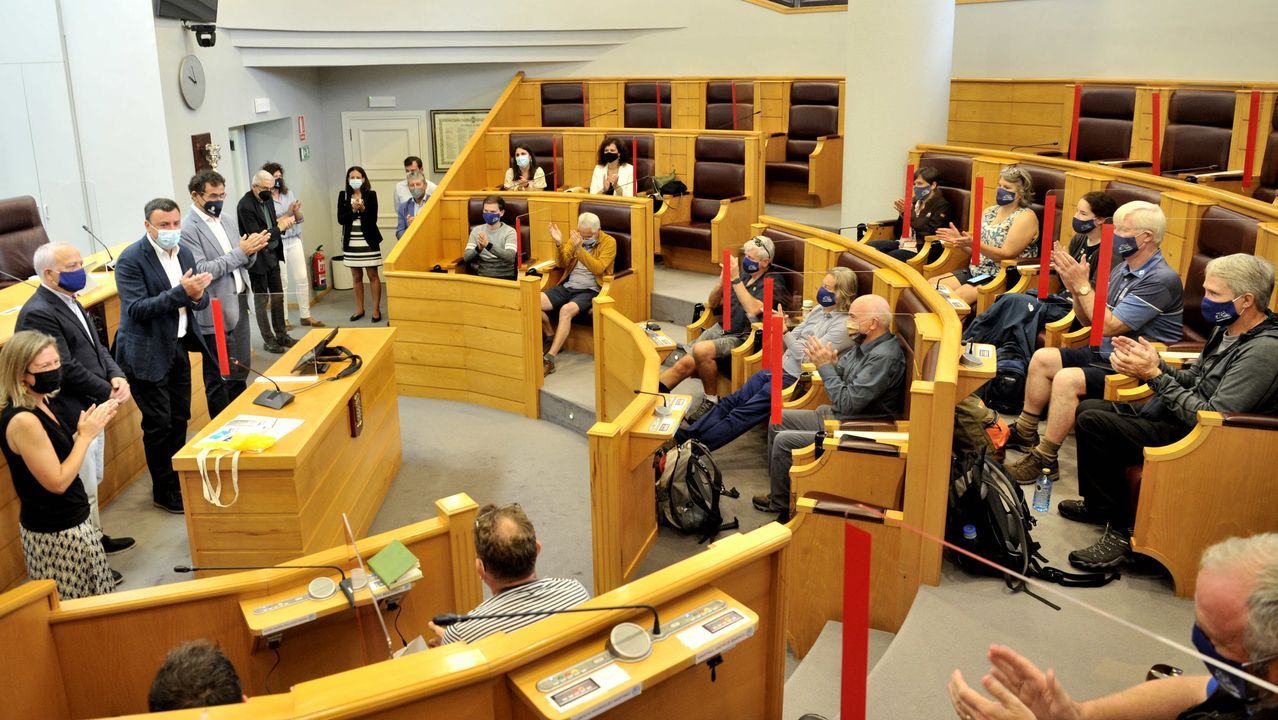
point(97, 656)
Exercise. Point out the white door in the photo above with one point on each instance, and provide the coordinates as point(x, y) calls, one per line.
point(379, 142)
point(235, 165)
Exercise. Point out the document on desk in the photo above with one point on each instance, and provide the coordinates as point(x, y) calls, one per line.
point(250, 425)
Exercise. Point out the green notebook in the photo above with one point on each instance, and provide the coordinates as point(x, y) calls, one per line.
point(392, 562)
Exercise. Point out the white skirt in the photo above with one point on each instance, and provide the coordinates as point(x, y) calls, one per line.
point(358, 254)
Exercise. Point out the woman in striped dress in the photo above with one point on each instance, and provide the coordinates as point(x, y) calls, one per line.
point(59, 541)
point(361, 240)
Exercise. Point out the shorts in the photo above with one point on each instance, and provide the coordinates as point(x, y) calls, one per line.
point(723, 343)
point(560, 296)
point(1084, 358)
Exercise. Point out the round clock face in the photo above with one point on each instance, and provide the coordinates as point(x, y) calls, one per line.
point(191, 80)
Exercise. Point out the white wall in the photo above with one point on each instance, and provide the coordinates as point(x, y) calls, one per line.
point(228, 103)
point(1156, 39)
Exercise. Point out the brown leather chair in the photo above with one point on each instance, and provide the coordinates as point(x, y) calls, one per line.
point(1200, 124)
point(1046, 181)
point(787, 265)
point(614, 220)
point(515, 208)
point(1267, 188)
point(647, 104)
point(717, 175)
point(1105, 121)
point(642, 150)
point(719, 105)
point(1124, 192)
point(864, 270)
point(906, 330)
point(21, 232)
point(1222, 232)
point(814, 114)
point(563, 105)
point(955, 183)
point(544, 146)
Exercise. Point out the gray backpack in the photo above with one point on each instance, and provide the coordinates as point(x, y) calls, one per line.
point(689, 485)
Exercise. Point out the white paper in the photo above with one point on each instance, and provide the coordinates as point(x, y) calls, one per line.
point(251, 425)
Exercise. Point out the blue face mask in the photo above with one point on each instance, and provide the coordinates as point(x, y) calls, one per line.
point(1125, 245)
point(749, 265)
point(1235, 686)
point(74, 280)
point(1220, 313)
point(1003, 196)
point(522, 160)
point(492, 218)
point(168, 239)
point(1082, 227)
point(921, 192)
point(825, 298)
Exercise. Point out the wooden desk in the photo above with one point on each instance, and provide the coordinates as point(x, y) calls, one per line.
point(293, 494)
point(660, 342)
point(972, 378)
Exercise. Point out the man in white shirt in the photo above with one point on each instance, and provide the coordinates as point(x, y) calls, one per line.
point(412, 164)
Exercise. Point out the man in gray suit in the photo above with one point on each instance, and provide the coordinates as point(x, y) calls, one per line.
point(211, 236)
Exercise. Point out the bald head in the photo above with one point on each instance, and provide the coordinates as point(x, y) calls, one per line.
point(869, 315)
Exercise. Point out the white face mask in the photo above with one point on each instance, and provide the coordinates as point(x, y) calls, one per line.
point(355, 183)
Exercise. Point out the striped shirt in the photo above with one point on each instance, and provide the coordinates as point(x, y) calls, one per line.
point(541, 595)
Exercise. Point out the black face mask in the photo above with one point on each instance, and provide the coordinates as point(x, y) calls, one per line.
point(47, 381)
point(609, 157)
point(279, 183)
point(265, 195)
point(214, 207)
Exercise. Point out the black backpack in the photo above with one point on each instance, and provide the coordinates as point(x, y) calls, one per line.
point(1006, 392)
point(984, 496)
point(688, 488)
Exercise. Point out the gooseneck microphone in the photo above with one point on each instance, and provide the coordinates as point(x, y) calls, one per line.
point(451, 618)
point(24, 281)
point(728, 126)
point(273, 399)
point(605, 112)
point(1054, 143)
point(661, 409)
point(344, 585)
point(110, 265)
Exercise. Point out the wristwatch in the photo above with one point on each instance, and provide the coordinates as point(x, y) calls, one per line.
point(1084, 291)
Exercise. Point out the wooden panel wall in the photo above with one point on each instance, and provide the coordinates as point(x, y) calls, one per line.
point(688, 105)
point(31, 670)
point(1242, 120)
point(772, 102)
point(605, 103)
point(1001, 114)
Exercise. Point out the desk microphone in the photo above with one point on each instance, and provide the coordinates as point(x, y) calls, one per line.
point(592, 117)
point(450, 618)
point(1054, 143)
point(110, 265)
point(344, 585)
point(24, 281)
point(273, 399)
point(661, 410)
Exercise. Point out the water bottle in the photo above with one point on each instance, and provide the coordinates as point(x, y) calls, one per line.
point(969, 535)
point(1043, 492)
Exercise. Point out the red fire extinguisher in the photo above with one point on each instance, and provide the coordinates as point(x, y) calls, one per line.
point(319, 268)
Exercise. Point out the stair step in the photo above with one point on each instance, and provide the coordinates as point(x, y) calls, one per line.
point(568, 396)
point(676, 292)
point(814, 685)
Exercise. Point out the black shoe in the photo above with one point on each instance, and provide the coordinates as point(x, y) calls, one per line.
point(1111, 550)
point(376, 318)
point(357, 316)
point(274, 347)
point(285, 340)
point(170, 503)
point(706, 406)
point(1078, 511)
point(116, 578)
point(115, 545)
point(763, 503)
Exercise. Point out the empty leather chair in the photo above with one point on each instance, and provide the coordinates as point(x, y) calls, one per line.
point(788, 268)
point(717, 175)
point(563, 105)
point(814, 114)
point(21, 232)
point(549, 150)
point(1222, 232)
point(515, 208)
point(1105, 121)
point(647, 104)
point(1267, 189)
point(719, 107)
point(1200, 124)
point(1124, 192)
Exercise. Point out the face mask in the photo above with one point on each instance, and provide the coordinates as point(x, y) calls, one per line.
point(492, 218)
point(1236, 687)
point(1004, 196)
point(74, 280)
point(1082, 227)
point(214, 207)
point(168, 239)
point(522, 160)
point(1220, 313)
point(749, 265)
point(589, 242)
point(47, 381)
point(417, 192)
point(825, 298)
point(921, 192)
point(1126, 245)
point(355, 183)
point(265, 195)
point(279, 183)
point(855, 334)
point(610, 157)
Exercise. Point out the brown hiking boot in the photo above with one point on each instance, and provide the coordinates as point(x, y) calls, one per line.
point(1026, 470)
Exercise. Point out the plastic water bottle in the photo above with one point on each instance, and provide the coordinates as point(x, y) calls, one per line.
point(1043, 492)
point(969, 534)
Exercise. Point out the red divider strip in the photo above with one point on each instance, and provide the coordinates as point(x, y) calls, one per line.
point(1102, 285)
point(725, 314)
point(976, 219)
point(767, 324)
point(777, 344)
point(1253, 119)
point(1045, 254)
point(219, 336)
point(1157, 141)
point(1073, 130)
point(856, 621)
point(909, 201)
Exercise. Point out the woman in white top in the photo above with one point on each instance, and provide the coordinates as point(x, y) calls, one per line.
point(614, 175)
point(524, 174)
point(294, 271)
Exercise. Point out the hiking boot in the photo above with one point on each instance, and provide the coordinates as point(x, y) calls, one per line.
point(1016, 441)
point(548, 364)
point(706, 406)
point(1026, 470)
point(1078, 511)
point(1111, 550)
point(763, 503)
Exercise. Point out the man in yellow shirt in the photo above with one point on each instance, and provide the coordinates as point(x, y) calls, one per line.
point(586, 257)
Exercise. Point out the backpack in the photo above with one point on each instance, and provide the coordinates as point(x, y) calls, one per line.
point(978, 429)
point(689, 485)
point(983, 496)
point(1006, 392)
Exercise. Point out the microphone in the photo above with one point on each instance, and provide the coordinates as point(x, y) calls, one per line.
point(738, 121)
point(1054, 143)
point(24, 281)
point(451, 618)
point(1205, 168)
point(662, 410)
point(273, 399)
point(110, 265)
point(605, 112)
point(344, 585)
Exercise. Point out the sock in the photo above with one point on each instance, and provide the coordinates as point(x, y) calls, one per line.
point(1048, 450)
point(1026, 424)
point(661, 387)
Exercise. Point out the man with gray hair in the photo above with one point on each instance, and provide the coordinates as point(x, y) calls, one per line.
point(864, 382)
point(256, 214)
point(89, 373)
point(584, 259)
point(1236, 372)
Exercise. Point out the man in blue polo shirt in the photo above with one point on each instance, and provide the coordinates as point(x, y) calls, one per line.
point(1145, 299)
